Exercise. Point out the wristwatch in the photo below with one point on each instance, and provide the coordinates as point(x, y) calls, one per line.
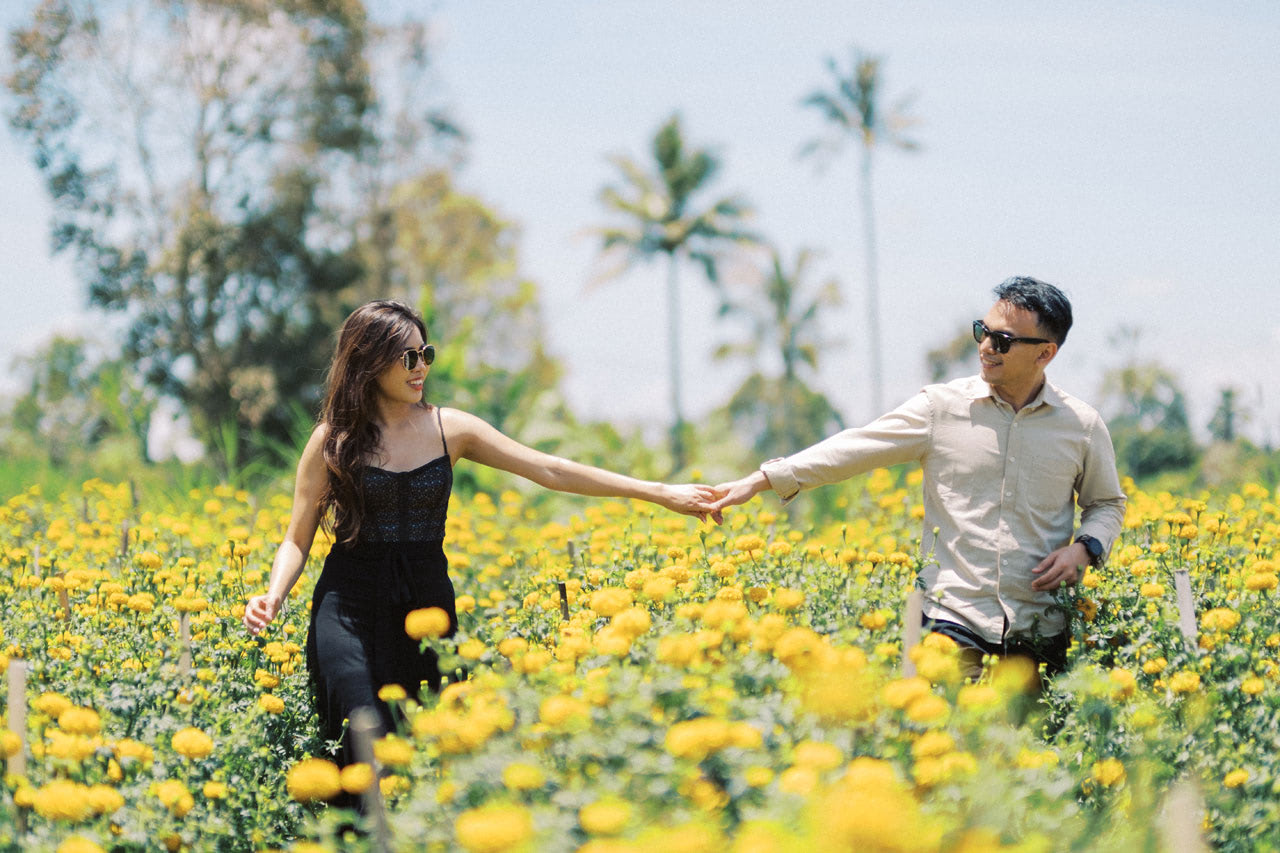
point(1093, 546)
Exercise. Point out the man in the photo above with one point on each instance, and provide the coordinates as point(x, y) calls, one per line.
point(1006, 455)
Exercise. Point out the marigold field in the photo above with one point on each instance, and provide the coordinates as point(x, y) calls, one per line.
point(733, 688)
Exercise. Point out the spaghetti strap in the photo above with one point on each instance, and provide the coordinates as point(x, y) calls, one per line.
point(440, 424)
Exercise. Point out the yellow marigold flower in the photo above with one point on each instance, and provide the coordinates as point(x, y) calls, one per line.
point(1151, 590)
point(78, 844)
point(1235, 778)
point(214, 790)
point(148, 560)
point(1220, 619)
point(1123, 682)
point(798, 780)
point(493, 828)
point(63, 799)
point(929, 710)
point(10, 743)
point(521, 776)
point(605, 817)
point(356, 778)
point(105, 799)
point(313, 779)
point(757, 776)
point(512, 647)
point(51, 704)
point(1184, 682)
point(818, 755)
point(633, 621)
point(128, 748)
point(271, 703)
point(873, 620)
point(392, 693)
point(1252, 685)
point(175, 797)
point(465, 603)
point(932, 744)
point(1261, 581)
point(266, 680)
point(1029, 759)
point(1088, 609)
point(1090, 579)
point(432, 622)
point(79, 721)
point(561, 710)
point(1155, 666)
point(610, 600)
point(192, 743)
point(978, 696)
point(902, 692)
point(472, 649)
point(1108, 772)
point(393, 751)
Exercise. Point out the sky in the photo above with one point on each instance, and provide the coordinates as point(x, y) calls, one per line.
point(1124, 151)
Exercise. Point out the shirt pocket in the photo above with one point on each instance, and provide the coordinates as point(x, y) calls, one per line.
point(1048, 481)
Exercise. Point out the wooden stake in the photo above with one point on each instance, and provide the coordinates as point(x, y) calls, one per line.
point(17, 764)
point(184, 634)
point(124, 538)
point(1181, 819)
point(1186, 607)
point(363, 729)
point(564, 600)
point(62, 597)
point(911, 630)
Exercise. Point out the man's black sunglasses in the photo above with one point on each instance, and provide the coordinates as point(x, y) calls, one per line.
point(1001, 340)
point(426, 352)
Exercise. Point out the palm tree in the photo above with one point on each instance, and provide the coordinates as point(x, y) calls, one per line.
point(782, 412)
point(854, 108)
point(662, 219)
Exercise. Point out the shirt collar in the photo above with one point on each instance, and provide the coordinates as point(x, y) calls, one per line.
point(1049, 393)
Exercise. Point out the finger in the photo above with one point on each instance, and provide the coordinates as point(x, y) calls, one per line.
point(717, 516)
point(1044, 564)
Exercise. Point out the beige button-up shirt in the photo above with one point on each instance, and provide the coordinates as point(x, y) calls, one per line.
point(1000, 488)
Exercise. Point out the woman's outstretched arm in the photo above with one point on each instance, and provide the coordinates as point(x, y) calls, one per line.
point(304, 518)
point(471, 438)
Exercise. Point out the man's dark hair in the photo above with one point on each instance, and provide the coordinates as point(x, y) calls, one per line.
point(1050, 304)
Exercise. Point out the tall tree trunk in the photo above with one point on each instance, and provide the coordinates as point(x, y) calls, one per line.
point(873, 288)
point(673, 334)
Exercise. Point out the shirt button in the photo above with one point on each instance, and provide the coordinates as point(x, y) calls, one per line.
point(1008, 494)
point(1013, 459)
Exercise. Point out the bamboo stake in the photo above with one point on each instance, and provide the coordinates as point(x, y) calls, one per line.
point(1186, 607)
point(363, 729)
point(184, 635)
point(911, 630)
point(17, 764)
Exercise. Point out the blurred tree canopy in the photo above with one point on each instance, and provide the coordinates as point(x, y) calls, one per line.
point(780, 413)
point(233, 177)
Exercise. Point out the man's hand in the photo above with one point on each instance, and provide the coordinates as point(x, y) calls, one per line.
point(739, 492)
point(1061, 568)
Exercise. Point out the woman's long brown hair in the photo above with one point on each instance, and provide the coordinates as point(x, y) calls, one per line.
point(371, 339)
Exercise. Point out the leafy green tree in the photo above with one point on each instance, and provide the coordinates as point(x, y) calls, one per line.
point(1224, 425)
point(1146, 412)
point(661, 214)
point(782, 311)
point(854, 110)
point(209, 163)
point(74, 399)
point(954, 357)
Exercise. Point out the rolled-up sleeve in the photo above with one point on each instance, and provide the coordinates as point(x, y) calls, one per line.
point(1098, 491)
point(901, 435)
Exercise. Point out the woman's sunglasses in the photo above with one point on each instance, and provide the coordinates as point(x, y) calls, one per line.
point(1000, 340)
point(426, 352)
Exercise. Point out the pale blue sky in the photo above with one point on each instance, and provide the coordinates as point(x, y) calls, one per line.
point(1123, 151)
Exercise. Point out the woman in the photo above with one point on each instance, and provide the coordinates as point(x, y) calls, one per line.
point(377, 472)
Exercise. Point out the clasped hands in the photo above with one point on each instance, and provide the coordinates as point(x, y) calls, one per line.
point(710, 501)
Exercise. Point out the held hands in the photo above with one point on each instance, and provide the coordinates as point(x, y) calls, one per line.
point(691, 499)
point(738, 492)
point(259, 611)
point(1061, 568)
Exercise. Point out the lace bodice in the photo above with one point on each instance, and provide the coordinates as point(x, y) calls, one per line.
point(406, 506)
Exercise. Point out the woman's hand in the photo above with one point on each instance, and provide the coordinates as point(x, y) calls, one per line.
point(690, 499)
point(259, 611)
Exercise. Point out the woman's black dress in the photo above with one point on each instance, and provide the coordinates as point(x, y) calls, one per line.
point(356, 643)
